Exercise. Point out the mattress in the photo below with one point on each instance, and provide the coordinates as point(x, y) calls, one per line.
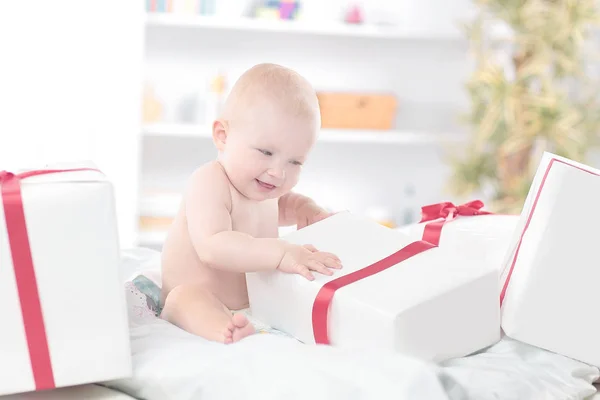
point(171, 363)
point(87, 392)
point(595, 396)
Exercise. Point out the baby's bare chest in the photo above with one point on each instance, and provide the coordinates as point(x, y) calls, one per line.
point(256, 219)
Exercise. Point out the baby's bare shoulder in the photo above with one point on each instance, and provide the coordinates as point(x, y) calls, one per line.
point(212, 173)
point(210, 183)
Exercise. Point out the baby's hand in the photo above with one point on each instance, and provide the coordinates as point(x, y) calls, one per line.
point(310, 213)
point(304, 259)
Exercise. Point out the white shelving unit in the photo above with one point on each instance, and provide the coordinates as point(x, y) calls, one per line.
point(152, 239)
point(160, 205)
point(331, 29)
point(156, 238)
point(326, 135)
point(423, 62)
point(243, 24)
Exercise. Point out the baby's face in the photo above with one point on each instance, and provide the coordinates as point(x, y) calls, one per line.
point(264, 157)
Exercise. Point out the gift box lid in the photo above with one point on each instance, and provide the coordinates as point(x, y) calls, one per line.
point(84, 171)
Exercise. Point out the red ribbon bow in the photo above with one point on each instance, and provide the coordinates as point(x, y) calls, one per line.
point(447, 211)
point(5, 175)
point(29, 297)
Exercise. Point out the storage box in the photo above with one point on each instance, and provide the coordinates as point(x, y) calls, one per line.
point(357, 111)
point(552, 276)
point(64, 316)
point(435, 304)
point(154, 223)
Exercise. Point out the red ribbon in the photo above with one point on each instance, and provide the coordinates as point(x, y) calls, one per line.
point(322, 303)
point(447, 211)
point(31, 309)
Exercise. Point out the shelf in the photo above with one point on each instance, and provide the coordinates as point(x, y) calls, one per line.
point(160, 205)
point(151, 238)
point(386, 137)
point(157, 238)
point(337, 29)
point(182, 130)
point(327, 135)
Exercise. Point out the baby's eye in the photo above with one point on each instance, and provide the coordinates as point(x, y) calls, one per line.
point(296, 162)
point(265, 152)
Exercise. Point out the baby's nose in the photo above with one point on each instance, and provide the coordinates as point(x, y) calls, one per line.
point(278, 173)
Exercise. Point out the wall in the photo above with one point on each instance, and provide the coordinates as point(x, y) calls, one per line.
point(70, 86)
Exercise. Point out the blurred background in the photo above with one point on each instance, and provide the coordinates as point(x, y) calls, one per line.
point(422, 101)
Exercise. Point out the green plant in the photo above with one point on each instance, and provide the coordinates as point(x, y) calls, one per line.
point(529, 92)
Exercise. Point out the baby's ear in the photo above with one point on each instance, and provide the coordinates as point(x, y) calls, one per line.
point(219, 133)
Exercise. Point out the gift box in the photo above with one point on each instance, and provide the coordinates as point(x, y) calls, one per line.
point(393, 293)
point(551, 276)
point(64, 316)
point(466, 228)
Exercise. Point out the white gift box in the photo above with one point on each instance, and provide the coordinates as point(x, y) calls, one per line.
point(435, 305)
point(484, 238)
point(551, 274)
point(64, 319)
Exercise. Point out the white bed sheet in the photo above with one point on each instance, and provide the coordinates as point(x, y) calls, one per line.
point(87, 392)
point(172, 364)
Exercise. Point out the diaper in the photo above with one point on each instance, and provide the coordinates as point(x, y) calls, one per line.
point(146, 294)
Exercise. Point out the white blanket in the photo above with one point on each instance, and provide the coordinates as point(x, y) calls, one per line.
point(87, 392)
point(170, 363)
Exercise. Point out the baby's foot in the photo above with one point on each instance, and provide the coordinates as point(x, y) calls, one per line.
point(238, 328)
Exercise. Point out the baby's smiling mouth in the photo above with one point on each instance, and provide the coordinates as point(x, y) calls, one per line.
point(265, 185)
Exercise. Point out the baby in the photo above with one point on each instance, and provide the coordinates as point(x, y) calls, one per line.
point(228, 221)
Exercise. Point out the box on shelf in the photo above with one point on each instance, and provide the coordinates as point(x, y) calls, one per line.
point(551, 276)
point(154, 223)
point(63, 305)
point(393, 294)
point(357, 111)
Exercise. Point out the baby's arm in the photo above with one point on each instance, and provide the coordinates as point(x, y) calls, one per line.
point(208, 211)
point(289, 204)
point(297, 209)
point(208, 205)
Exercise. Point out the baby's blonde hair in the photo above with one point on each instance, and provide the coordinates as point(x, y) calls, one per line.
point(276, 87)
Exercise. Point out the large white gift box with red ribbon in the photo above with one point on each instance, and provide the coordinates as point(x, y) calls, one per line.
point(552, 274)
point(466, 228)
point(64, 316)
point(393, 293)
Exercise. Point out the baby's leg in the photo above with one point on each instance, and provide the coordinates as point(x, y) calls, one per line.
point(198, 311)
